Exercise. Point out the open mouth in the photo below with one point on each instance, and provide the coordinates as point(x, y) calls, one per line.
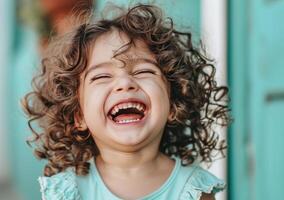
point(128, 112)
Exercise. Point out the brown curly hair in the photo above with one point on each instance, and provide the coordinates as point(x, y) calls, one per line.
point(197, 103)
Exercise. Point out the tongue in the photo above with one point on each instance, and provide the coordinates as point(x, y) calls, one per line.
point(127, 117)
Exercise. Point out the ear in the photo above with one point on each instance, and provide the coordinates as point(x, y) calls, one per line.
point(171, 116)
point(80, 123)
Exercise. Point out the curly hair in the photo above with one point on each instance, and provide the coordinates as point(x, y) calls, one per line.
point(197, 103)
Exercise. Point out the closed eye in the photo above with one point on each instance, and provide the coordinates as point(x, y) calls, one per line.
point(145, 71)
point(100, 77)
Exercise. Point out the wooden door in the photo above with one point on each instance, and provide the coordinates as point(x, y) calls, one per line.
point(256, 46)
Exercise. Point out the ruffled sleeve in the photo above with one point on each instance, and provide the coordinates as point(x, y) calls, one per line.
point(201, 181)
point(61, 186)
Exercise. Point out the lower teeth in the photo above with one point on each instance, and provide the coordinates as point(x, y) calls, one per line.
point(127, 121)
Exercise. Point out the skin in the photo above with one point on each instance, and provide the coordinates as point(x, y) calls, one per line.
point(128, 152)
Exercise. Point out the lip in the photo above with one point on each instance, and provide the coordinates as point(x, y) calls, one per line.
point(130, 100)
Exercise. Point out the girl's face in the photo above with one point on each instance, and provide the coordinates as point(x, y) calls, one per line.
point(124, 100)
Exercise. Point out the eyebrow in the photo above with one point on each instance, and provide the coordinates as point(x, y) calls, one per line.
point(128, 60)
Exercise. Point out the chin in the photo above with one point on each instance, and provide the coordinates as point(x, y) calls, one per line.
point(130, 139)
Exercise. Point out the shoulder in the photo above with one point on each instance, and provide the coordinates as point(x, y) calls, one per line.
point(61, 186)
point(200, 184)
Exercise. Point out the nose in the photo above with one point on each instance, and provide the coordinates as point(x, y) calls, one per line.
point(125, 83)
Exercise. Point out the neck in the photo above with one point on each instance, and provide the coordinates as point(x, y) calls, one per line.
point(125, 164)
point(152, 168)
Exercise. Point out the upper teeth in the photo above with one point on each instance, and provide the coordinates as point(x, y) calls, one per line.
point(116, 108)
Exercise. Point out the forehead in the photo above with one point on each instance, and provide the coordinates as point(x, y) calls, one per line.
point(111, 46)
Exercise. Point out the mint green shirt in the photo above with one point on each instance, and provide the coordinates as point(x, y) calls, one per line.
point(184, 183)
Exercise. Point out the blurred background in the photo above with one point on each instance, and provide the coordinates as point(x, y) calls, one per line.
point(246, 39)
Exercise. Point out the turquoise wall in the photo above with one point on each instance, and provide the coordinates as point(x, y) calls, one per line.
point(24, 60)
point(256, 35)
point(25, 167)
point(17, 55)
point(238, 139)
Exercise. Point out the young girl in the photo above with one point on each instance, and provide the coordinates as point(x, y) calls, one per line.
point(126, 105)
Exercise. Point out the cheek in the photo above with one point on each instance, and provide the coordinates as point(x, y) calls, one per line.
point(162, 87)
point(157, 90)
point(94, 99)
point(165, 98)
